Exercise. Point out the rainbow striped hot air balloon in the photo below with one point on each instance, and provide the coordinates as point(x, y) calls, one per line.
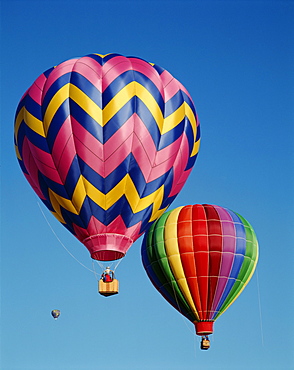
point(107, 142)
point(200, 259)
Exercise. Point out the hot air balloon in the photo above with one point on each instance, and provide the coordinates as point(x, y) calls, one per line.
point(55, 314)
point(106, 142)
point(200, 258)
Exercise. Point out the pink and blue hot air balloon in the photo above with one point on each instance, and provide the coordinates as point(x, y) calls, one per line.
point(107, 142)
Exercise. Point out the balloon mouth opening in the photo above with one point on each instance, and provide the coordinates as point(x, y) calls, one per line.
point(204, 327)
point(108, 246)
point(107, 255)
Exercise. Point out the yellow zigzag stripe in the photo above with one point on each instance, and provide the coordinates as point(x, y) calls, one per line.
point(76, 95)
point(115, 104)
point(195, 148)
point(127, 93)
point(31, 121)
point(124, 187)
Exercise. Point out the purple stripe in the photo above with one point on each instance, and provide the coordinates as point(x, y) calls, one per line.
point(228, 253)
point(238, 258)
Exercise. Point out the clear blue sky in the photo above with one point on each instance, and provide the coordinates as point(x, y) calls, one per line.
point(236, 59)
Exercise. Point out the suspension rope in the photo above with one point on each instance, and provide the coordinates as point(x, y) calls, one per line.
point(101, 265)
point(179, 308)
point(62, 243)
point(95, 272)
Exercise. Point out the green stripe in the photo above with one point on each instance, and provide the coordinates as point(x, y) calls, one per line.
point(160, 265)
point(247, 268)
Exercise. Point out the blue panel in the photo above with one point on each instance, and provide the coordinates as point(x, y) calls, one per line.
point(86, 121)
point(54, 88)
point(87, 87)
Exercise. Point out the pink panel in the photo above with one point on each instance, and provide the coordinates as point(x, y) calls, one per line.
point(87, 138)
point(107, 247)
point(147, 70)
point(118, 156)
point(32, 169)
point(63, 151)
point(145, 138)
point(180, 164)
point(181, 182)
point(113, 68)
point(117, 226)
point(36, 90)
point(171, 85)
point(59, 71)
point(120, 136)
point(168, 152)
point(91, 70)
point(182, 87)
point(45, 163)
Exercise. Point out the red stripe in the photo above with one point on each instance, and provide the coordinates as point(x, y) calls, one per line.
point(201, 250)
point(215, 249)
point(186, 250)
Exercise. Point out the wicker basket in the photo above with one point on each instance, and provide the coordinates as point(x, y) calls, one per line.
point(108, 288)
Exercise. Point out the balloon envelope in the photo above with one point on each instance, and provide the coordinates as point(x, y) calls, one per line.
point(55, 314)
point(200, 258)
point(107, 142)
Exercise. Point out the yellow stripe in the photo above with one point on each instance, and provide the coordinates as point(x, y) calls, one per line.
point(191, 117)
point(105, 201)
point(18, 121)
point(77, 95)
point(118, 101)
point(127, 93)
point(102, 55)
point(126, 187)
point(86, 103)
point(177, 116)
point(174, 259)
point(17, 152)
point(34, 123)
point(55, 103)
point(195, 148)
point(173, 119)
point(151, 103)
point(58, 217)
point(57, 201)
point(96, 195)
point(79, 194)
point(31, 121)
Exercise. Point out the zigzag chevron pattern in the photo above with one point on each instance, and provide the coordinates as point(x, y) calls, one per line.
point(107, 142)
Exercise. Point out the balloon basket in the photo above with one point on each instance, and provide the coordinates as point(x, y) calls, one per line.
point(108, 288)
point(205, 344)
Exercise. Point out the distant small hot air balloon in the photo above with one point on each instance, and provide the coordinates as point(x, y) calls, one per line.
point(55, 314)
point(200, 258)
point(107, 142)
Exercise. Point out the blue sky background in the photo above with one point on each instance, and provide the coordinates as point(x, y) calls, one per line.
point(236, 59)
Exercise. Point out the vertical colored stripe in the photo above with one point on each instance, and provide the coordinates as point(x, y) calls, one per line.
point(172, 246)
point(207, 255)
